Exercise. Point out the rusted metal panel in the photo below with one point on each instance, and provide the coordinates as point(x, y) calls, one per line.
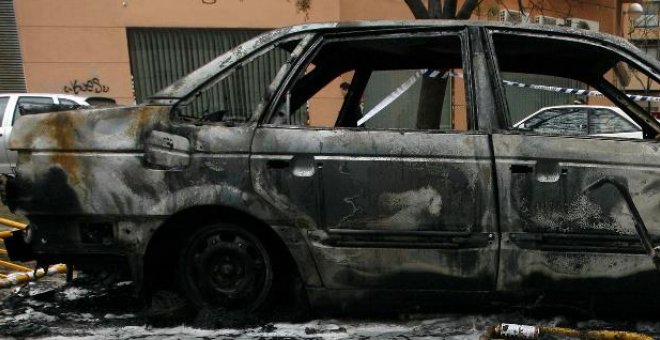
point(75, 182)
point(110, 129)
point(551, 225)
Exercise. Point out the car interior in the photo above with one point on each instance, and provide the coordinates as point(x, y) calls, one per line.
point(576, 66)
point(369, 64)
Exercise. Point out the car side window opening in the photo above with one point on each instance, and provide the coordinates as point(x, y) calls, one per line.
point(24, 100)
point(65, 101)
point(583, 90)
point(579, 120)
point(382, 82)
point(570, 120)
point(233, 97)
point(602, 120)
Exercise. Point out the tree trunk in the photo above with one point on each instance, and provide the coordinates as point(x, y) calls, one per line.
point(432, 94)
point(417, 8)
point(467, 9)
point(449, 11)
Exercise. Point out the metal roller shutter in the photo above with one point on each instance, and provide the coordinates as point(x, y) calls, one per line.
point(12, 78)
point(159, 56)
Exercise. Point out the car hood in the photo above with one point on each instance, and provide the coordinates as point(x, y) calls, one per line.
point(108, 129)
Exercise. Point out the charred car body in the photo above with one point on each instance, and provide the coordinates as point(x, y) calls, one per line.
point(231, 186)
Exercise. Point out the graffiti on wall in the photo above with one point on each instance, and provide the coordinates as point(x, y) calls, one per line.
point(93, 85)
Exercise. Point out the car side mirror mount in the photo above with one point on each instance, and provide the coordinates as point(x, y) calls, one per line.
point(166, 151)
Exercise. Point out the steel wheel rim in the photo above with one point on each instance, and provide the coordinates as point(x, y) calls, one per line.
point(227, 267)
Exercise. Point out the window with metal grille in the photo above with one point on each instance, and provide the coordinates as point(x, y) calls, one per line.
point(12, 78)
point(160, 56)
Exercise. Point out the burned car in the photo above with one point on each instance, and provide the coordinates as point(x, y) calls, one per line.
point(245, 178)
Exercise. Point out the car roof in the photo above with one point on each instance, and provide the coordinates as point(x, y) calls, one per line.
point(430, 23)
point(190, 82)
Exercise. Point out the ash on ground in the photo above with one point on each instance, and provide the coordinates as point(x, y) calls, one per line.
point(54, 309)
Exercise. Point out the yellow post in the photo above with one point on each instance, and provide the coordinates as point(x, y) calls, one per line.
point(19, 278)
point(514, 331)
point(14, 266)
point(28, 274)
point(12, 223)
point(596, 335)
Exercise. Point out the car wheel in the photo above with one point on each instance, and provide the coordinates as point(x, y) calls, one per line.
point(224, 266)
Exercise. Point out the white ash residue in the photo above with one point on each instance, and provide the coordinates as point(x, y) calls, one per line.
point(111, 316)
point(410, 206)
point(74, 293)
point(146, 332)
point(114, 314)
point(30, 315)
point(580, 213)
point(38, 304)
point(79, 317)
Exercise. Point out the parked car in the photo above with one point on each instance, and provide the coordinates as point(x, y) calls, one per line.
point(226, 186)
point(582, 120)
point(13, 105)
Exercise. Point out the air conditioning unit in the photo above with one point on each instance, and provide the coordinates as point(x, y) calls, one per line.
point(550, 21)
point(585, 24)
point(513, 16)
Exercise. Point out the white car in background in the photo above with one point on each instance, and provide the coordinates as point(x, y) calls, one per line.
point(582, 120)
point(13, 105)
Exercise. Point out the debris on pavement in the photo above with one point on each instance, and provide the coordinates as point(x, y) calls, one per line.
point(84, 309)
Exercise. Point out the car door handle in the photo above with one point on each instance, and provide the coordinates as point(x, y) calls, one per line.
point(299, 165)
point(277, 164)
point(548, 171)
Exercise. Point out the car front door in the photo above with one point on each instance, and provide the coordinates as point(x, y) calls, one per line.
point(389, 200)
point(567, 224)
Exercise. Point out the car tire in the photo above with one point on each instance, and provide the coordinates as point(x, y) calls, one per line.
point(225, 267)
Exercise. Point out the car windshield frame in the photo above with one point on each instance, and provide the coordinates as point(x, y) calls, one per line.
point(301, 41)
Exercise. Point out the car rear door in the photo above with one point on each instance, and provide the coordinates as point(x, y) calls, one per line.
point(566, 221)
